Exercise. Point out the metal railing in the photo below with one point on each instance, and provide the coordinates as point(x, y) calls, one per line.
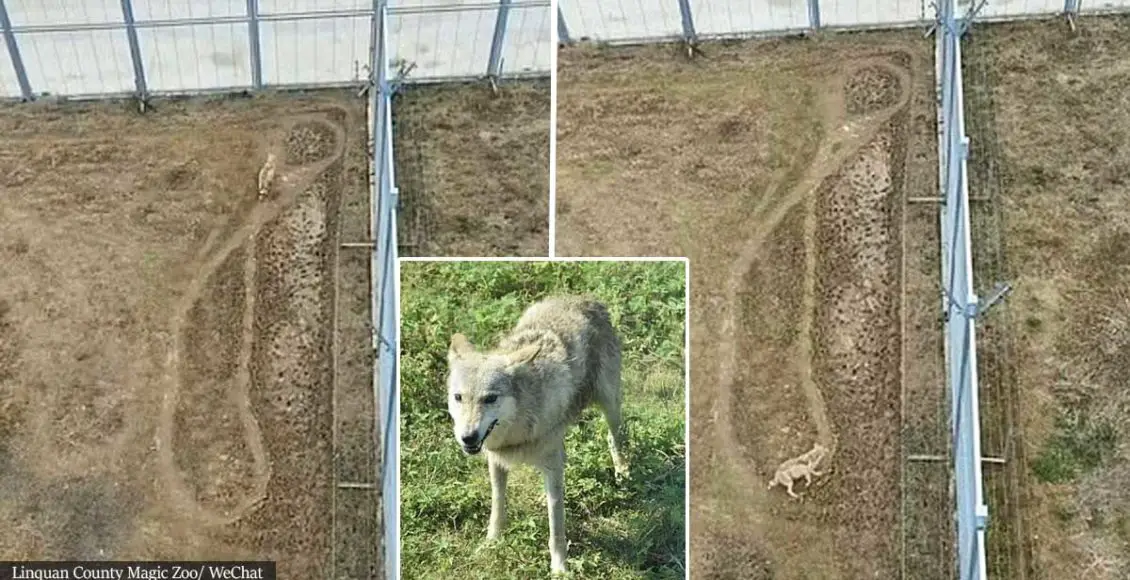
point(960, 303)
point(384, 302)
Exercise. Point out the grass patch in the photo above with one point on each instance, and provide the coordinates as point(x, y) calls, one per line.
point(633, 529)
point(1078, 446)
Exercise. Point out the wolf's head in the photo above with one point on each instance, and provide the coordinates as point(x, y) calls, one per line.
point(480, 390)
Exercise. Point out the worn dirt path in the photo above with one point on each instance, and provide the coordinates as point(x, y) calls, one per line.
point(844, 141)
point(290, 182)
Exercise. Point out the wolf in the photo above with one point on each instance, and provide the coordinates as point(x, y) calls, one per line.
point(798, 467)
point(517, 401)
point(266, 176)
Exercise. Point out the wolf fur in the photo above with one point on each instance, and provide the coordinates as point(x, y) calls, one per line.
point(802, 466)
point(517, 401)
point(266, 176)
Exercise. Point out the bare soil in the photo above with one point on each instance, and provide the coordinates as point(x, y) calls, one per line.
point(172, 348)
point(1049, 119)
point(472, 167)
point(781, 169)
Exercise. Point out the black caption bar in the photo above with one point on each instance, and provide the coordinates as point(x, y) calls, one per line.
point(137, 571)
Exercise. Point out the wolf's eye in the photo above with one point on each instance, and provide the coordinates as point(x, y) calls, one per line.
point(458, 398)
point(490, 399)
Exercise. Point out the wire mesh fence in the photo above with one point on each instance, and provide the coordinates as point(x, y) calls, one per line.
point(120, 47)
point(960, 302)
point(626, 21)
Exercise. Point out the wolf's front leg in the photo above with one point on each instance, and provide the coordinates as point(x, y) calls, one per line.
point(554, 472)
point(498, 473)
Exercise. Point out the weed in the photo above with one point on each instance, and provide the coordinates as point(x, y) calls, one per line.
point(1078, 446)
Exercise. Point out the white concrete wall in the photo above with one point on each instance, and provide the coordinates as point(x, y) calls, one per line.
point(442, 43)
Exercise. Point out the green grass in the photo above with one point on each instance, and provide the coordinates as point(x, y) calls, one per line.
point(633, 529)
point(1078, 447)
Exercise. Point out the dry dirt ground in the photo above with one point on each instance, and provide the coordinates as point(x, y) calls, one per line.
point(173, 348)
point(782, 169)
point(1049, 120)
point(473, 169)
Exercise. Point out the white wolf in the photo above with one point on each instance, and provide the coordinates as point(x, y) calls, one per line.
point(802, 466)
point(518, 400)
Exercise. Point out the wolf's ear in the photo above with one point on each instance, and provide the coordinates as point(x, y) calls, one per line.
point(523, 355)
point(460, 347)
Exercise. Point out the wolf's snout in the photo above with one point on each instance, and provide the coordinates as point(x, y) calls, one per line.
point(470, 440)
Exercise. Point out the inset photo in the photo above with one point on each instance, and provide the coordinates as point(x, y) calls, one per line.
point(543, 418)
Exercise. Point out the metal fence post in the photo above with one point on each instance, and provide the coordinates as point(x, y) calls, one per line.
point(14, 52)
point(494, 66)
point(688, 21)
point(134, 51)
point(253, 41)
point(562, 29)
point(814, 14)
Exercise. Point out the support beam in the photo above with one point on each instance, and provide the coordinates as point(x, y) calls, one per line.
point(351, 485)
point(939, 200)
point(254, 44)
point(14, 53)
point(940, 458)
point(135, 54)
point(494, 65)
point(562, 29)
point(814, 14)
point(689, 34)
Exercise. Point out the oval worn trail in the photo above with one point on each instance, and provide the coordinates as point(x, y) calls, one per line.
point(290, 182)
point(838, 147)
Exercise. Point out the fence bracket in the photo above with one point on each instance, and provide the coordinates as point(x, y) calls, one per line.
point(982, 517)
point(967, 20)
point(999, 292)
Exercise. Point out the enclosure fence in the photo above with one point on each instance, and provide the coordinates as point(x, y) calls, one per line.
point(960, 302)
point(143, 48)
point(630, 21)
point(384, 301)
point(100, 48)
point(639, 21)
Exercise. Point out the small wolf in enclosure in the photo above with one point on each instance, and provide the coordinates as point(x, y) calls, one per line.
point(266, 176)
point(798, 467)
point(518, 400)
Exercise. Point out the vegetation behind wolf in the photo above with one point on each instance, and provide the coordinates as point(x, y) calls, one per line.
point(615, 529)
